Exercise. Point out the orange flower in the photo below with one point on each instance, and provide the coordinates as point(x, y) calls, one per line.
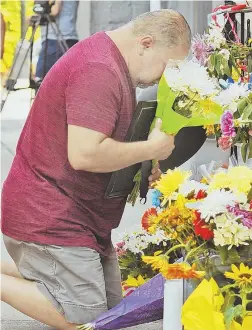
point(182, 270)
point(148, 218)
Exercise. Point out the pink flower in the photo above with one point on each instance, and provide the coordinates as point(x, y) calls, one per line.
point(119, 248)
point(246, 216)
point(225, 142)
point(227, 124)
point(200, 49)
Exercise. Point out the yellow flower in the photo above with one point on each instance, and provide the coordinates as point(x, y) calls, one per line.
point(202, 310)
point(220, 181)
point(134, 282)
point(158, 262)
point(242, 276)
point(246, 324)
point(209, 129)
point(238, 178)
point(170, 182)
point(182, 270)
point(241, 178)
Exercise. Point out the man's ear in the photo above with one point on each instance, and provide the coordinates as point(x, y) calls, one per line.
point(147, 42)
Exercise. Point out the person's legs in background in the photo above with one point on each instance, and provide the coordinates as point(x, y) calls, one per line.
point(53, 53)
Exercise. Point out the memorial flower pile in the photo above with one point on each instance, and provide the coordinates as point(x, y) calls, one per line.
point(200, 217)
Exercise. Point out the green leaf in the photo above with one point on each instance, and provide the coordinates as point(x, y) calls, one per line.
point(250, 63)
point(250, 147)
point(223, 253)
point(233, 255)
point(241, 105)
point(231, 313)
point(250, 194)
point(247, 111)
point(212, 62)
point(228, 301)
point(244, 151)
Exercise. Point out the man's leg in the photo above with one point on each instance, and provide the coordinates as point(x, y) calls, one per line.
point(9, 268)
point(24, 296)
point(112, 277)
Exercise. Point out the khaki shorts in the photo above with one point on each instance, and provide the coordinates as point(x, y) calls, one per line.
point(79, 282)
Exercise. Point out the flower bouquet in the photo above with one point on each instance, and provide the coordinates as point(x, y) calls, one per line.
point(185, 98)
point(203, 220)
point(223, 59)
point(130, 250)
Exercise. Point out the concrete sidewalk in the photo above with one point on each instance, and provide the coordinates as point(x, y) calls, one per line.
point(33, 325)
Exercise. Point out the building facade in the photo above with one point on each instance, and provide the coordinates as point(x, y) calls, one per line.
point(106, 15)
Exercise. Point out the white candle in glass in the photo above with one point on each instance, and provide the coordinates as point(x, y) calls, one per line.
point(173, 302)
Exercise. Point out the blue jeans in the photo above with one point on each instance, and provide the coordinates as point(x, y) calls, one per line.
point(53, 53)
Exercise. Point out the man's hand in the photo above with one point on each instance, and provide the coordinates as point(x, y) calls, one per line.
point(155, 175)
point(162, 143)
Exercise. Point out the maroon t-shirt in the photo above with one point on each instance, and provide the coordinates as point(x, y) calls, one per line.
point(44, 200)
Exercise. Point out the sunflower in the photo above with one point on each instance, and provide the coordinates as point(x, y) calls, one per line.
point(158, 262)
point(242, 276)
point(149, 219)
point(170, 182)
point(182, 270)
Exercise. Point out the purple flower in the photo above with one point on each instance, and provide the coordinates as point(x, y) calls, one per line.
point(246, 216)
point(227, 124)
point(200, 49)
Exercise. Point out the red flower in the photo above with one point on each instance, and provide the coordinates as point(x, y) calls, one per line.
point(201, 228)
point(148, 217)
point(250, 205)
point(201, 194)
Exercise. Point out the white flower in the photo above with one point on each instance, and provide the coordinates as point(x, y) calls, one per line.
point(189, 75)
point(225, 53)
point(229, 231)
point(215, 38)
point(139, 240)
point(191, 186)
point(231, 95)
point(215, 203)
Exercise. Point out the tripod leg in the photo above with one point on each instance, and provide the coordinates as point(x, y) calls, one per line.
point(14, 79)
point(45, 53)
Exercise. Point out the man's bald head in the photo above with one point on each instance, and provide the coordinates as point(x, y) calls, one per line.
point(166, 26)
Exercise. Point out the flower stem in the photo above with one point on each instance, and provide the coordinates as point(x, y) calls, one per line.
point(175, 248)
point(193, 250)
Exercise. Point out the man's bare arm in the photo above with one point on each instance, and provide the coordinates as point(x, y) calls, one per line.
point(92, 151)
point(55, 9)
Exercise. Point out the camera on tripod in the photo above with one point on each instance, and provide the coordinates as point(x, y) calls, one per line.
point(43, 7)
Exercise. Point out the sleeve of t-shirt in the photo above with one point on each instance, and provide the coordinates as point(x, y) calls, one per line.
point(93, 98)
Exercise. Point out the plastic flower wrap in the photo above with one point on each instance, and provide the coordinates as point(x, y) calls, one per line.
point(144, 305)
point(211, 307)
point(185, 98)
